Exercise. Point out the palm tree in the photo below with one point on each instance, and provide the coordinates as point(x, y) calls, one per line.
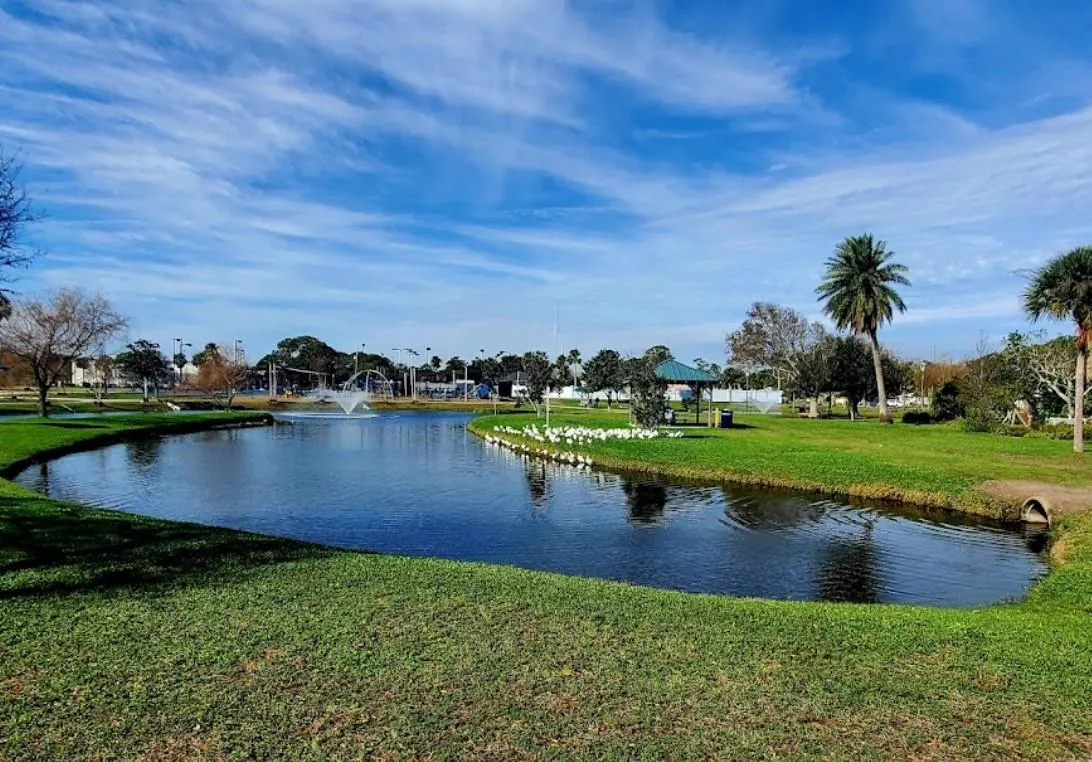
point(574, 364)
point(1063, 289)
point(858, 291)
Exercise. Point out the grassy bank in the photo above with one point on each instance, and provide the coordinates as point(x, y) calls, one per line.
point(932, 466)
point(131, 638)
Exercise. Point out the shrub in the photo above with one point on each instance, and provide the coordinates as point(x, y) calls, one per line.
point(1010, 430)
point(916, 417)
point(947, 403)
point(1061, 431)
point(978, 419)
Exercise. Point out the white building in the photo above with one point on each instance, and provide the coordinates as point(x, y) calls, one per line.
point(189, 372)
point(89, 372)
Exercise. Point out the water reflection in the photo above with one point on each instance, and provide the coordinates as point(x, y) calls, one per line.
point(849, 569)
point(770, 511)
point(538, 483)
point(420, 485)
point(144, 452)
point(646, 501)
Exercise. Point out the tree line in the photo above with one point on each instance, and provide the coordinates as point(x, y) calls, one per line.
point(858, 292)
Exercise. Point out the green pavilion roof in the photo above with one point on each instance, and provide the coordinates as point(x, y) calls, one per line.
point(677, 373)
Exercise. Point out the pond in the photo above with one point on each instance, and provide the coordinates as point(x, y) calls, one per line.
point(420, 484)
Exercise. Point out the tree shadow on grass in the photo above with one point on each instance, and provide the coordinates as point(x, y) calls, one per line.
point(49, 549)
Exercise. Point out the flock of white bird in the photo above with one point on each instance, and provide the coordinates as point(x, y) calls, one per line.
point(567, 435)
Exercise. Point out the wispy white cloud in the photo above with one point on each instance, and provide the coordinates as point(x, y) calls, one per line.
point(433, 171)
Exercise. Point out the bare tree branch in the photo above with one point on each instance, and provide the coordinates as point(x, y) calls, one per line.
point(50, 333)
point(16, 215)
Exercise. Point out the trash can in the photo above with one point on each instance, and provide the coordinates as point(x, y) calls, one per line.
point(726, 419)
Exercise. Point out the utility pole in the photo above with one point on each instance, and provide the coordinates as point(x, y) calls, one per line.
point(557, 316)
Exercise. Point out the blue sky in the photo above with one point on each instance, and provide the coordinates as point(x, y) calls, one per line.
point(443, 173)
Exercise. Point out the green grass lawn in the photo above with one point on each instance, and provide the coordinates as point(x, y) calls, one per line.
point(130, 638)
point(937, 466)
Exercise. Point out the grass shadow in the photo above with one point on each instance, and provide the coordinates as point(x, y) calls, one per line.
point(72, 425)
point(49, 548)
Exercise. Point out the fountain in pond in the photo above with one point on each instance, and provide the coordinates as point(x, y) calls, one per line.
point(348, 400)
point(351, 396)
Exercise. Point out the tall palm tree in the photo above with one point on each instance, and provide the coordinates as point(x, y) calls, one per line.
point(1063, 289)
point(858, 291)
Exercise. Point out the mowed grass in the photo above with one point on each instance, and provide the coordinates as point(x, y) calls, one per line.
point(938, 465)
point(130, 638)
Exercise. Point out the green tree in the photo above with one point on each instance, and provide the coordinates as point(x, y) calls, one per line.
point(537, 372)
point(812, 377)
point(208, 353)
point(603, 373)
point(851, 371)
point(709, 367)
point(859, 295)
point(142, 360)
point(658, 354)
point(647, 391)
point(1062, 289)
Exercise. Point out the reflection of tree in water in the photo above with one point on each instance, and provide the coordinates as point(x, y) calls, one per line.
point(848, 571)
point(538, 483)
point(41, 478)
point(144, 452)
point(770, 511)
point(646, 501)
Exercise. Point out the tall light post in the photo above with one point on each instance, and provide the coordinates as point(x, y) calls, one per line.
point(413, 373)
point(356, 359)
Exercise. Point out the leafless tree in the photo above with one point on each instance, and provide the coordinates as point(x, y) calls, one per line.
point(1051, 366)
point(775, 337)
point(16, 215)
point(221, 374)
point(49, 333)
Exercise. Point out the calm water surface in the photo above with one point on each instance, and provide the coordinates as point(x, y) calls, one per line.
point(419, 484)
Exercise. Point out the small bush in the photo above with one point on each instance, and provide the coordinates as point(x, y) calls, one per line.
point(1009, 430)
point(947, 403)
point(978, 419)
point(1063, 431)
point(916, 417)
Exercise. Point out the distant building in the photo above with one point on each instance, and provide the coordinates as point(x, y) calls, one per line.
point(189, 372)
point(89, 372)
